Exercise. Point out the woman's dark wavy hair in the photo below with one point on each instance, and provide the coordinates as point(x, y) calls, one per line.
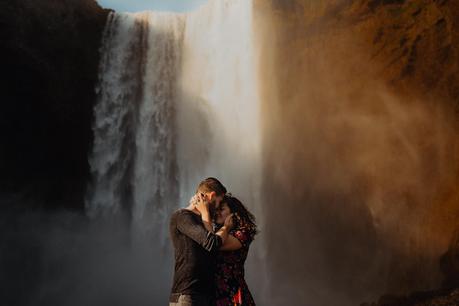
point(243, 218)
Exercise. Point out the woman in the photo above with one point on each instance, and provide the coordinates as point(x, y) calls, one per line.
point(231, 288)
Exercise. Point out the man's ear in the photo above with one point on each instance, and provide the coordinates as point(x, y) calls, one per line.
point(212, 194)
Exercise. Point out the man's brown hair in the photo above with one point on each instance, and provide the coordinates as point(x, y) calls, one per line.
point(212, 184)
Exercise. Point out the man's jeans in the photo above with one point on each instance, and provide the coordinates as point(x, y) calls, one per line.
point(178, 299)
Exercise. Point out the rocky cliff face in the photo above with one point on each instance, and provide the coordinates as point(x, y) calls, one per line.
point(431, 298)
point(361, 109)
point(413, 44)
point(447, 296)
point(49, 58)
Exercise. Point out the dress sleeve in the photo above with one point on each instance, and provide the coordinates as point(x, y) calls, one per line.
point(188, 226)
point(244, 236)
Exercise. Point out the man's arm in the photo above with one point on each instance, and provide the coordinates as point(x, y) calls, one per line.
point(187, 225)
point(223, 232)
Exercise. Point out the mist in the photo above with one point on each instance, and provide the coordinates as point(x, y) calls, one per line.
point(359, 175)
point(64, 258)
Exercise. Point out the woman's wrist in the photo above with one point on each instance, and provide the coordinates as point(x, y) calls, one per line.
point(223, 232)
point(205, 216)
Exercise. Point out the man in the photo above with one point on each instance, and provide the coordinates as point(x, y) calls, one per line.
point(196, 246)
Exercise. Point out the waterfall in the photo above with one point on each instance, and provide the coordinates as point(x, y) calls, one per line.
point(218, 120)
point(177, 102)
point(133, 164)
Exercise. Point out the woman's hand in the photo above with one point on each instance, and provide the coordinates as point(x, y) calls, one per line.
point(229, 222)
point(202, 204)
point(194, 200)
point(223, 232)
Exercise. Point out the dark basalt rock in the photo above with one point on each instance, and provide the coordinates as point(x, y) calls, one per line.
point(448, 295)
point(49, 56)
point(449, 264)
point(445, 297)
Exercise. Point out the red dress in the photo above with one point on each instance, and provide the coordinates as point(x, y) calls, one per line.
point(231, 287)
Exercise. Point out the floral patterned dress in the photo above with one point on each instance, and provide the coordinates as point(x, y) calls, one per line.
point(231, 287)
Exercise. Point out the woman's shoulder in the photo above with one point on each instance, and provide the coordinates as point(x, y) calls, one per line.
point(244, 235)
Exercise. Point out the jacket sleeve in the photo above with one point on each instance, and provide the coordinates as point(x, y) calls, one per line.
point(188, 226)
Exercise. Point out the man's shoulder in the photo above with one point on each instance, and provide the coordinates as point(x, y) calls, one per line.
point(176, 216)
point(182, 212)
point(183, 217)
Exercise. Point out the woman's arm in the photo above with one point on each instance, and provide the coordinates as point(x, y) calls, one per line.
point(204, 210)
point(223, 232)
point(188, 226)
point(205, 217)
point(231, 244)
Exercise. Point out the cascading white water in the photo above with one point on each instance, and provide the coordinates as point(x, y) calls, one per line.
point(218, 120)
point(133, 160)
point(178, 102)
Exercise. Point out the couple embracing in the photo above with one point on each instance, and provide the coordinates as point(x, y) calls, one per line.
point(211, 239)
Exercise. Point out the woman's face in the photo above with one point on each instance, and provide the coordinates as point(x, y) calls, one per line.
point(223, 212)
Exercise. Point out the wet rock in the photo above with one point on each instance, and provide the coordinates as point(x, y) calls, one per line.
point(49, 58)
